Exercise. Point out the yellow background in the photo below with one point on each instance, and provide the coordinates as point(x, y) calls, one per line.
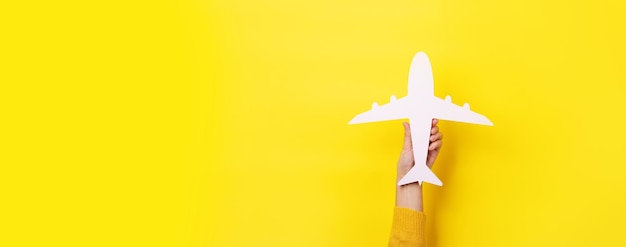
point(224, 123)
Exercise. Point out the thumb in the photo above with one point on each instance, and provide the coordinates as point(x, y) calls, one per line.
point(407, 137)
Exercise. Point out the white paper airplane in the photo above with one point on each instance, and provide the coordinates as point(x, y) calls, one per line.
point(420, 106)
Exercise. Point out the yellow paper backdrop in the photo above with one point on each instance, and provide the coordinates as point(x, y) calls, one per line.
point(224, 123)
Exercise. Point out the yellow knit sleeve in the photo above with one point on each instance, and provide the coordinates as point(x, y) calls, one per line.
point(408, 228)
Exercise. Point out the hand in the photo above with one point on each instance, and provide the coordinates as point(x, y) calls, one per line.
point(434, 146)
point(410, 195)
point(406, 160)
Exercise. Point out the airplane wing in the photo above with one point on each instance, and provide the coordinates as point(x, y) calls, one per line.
point(396, 109)
point(446, 110)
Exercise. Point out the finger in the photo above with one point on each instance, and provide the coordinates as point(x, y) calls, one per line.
point(435, 121)
point(436, 137)
point(435, 145)
point(407, 136)
point(434, 130)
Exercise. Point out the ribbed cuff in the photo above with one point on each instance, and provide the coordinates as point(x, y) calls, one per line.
point(409, 225)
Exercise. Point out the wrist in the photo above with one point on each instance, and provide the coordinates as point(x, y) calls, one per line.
point(409, 196)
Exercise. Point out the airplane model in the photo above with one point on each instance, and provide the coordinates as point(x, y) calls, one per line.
point(420, 106)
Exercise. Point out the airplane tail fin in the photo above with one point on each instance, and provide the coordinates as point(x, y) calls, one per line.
point(420, 173)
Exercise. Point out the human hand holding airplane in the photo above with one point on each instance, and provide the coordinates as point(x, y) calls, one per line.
point(420, 106)
point(406, 160)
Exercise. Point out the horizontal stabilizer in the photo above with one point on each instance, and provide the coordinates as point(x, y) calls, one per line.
point(420, 173)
